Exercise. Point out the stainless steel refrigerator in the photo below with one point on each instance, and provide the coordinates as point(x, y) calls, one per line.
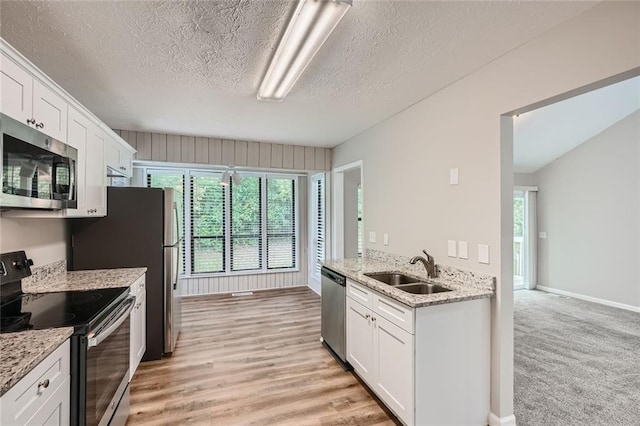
point(140, 229)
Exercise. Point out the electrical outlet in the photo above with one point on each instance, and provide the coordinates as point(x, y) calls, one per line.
point(386, 239)
point(372, 237)
point(543, 235)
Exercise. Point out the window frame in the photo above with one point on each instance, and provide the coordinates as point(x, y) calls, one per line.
point(188, 172)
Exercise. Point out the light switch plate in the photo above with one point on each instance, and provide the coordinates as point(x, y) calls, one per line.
point(463, 250)
point(385, 239)
point(483, 253)
point(451, 248)
point(453, 176)
point(543, 235)
point(372, 237)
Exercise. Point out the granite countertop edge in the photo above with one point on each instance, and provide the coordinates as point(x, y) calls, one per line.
point(85, 280)
point(23, 351)
point(355, 269)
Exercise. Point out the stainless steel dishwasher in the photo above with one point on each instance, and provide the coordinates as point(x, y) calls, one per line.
point(333, 328)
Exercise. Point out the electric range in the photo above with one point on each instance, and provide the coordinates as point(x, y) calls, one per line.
point(100, 343)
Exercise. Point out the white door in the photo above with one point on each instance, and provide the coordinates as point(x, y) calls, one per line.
point(524, 238)
point(360, 340)
point(394, 367)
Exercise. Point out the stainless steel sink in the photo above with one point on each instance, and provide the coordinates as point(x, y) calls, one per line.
point(422, 288)
point(393, 279)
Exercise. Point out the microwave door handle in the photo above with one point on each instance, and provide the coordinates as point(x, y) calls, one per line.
point(117, 322)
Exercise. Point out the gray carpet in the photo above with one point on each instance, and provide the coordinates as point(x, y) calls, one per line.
point(576, 362)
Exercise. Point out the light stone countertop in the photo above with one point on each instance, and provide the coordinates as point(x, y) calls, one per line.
point(84, 280)
point(21, 352)
point(464, 285)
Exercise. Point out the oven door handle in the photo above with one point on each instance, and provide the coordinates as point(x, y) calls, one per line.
point(116, 322)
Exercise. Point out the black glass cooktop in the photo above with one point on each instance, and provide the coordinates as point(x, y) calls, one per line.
point(78, 309)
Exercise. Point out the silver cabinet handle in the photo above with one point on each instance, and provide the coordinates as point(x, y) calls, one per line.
point(31, 121)
point(367, 316)
point(44, 384)
point(373, 319)
point(40, 125)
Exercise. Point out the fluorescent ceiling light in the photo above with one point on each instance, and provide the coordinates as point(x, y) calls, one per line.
point(310, 26)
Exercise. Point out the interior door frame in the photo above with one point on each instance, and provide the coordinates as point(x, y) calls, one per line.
point(337, 228)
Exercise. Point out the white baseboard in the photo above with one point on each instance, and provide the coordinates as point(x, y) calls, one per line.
point(589, 298)
point(315, 287)
point(502, 421)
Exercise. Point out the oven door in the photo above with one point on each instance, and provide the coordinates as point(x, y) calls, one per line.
point(37, 170)
point(107, 366)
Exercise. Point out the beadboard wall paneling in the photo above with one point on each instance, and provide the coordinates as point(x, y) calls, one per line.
point(229, 284)
point(225, 152)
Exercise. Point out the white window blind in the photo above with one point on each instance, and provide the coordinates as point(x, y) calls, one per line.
point(208, 211)
point(176, 181)
point(319, 223)
point(281, 223)
point(246, 224)
point(246, 228)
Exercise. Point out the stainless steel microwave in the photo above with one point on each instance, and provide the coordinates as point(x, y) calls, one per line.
point(38, 171)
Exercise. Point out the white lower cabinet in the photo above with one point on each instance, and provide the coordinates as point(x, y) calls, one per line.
point(138, 319)
point(43, 396)
point(428, 365)
point(382, 355)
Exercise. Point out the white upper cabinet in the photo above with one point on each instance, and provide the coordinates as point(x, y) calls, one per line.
point(88, 139)
point(118, 157)
point(27, 100)
point(16, 90)
point(49, 111)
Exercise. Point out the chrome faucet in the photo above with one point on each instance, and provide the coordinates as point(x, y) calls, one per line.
point(429, 264)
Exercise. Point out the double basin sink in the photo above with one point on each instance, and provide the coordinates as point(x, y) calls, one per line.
point(407, 283)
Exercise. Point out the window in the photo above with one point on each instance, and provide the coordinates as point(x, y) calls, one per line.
point(246, 228)
point(174, 180)
point(207, 224)
point(319, 220)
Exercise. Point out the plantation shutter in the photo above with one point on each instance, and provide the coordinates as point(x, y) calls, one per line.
point(246, 224)
point(207, 224)
point(319, 224)
point(281, 223)
point(176, 181)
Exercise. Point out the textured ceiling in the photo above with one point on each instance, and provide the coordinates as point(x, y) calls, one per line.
point(193, 67)
point(546, 134)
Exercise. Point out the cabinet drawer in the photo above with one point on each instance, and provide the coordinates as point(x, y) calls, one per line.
point(359, 293)
point(26, 398)
point(394, 312)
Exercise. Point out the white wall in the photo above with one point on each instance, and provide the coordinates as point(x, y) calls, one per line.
point(44, 240)
point(589, 206)
point(459, 126)
point(524, 179)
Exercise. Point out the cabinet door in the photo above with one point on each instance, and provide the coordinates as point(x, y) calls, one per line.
point(79, 128)
point(112, 154)
point(133, 341)
point(96, 191)
point(360, 339)
point(16, 90)
point(142, 325)
point(55, 411)
point(125, 162)
point(394, 356)
point(49, 111)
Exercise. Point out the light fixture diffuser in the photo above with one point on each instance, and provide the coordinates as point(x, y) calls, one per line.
point(310, 26)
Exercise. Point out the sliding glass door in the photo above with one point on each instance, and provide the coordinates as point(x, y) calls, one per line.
point(524, 238)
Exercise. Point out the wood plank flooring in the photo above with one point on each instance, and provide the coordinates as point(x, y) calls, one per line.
point(251, 360)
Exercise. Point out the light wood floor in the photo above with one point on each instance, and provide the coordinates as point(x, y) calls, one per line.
point(251, 360)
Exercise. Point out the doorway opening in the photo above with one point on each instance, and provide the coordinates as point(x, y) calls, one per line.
point(348, 229)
